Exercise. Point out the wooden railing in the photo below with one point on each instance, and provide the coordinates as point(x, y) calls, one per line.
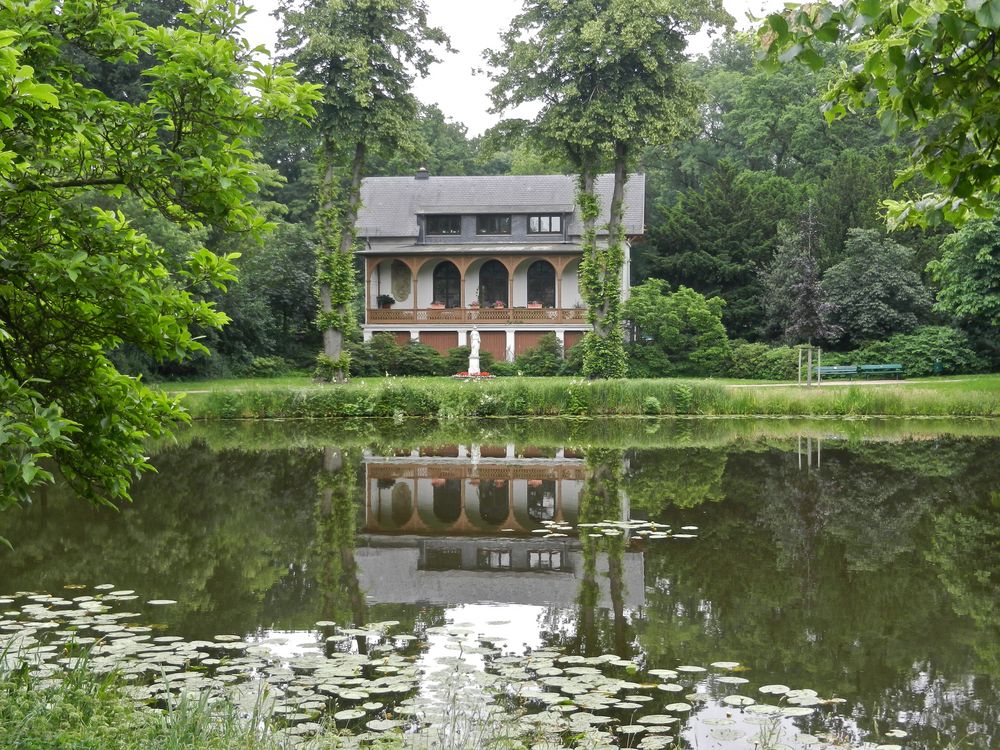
point(485, 315)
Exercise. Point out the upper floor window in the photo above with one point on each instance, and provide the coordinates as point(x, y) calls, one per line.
point(444, 224)
point(493, 224)
point(545, 224)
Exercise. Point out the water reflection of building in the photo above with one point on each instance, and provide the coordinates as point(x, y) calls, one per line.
point(455, 524)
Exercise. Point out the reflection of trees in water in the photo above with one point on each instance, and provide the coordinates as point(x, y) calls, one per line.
point(595, 631)
point(674, 477)
point(340, 594)
point(820, 578)
point(222, 533)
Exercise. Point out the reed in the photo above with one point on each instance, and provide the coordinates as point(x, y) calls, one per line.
point(531, 397)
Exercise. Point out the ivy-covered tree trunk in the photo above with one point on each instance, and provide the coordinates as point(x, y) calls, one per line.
point(601, 276)
point(337, 221)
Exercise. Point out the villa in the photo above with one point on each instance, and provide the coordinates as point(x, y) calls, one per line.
point(444, 255)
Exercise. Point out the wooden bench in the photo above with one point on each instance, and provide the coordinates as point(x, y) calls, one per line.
point(868, 371)
point(835, 371)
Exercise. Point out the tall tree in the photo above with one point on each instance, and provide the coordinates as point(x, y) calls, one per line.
point(931, 69)
point(611, 77)
point(875, 291)
point(793, 295)
point(364, 55)
point(77, 279)
point(969, 274)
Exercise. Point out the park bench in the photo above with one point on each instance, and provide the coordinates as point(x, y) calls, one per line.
point(868, 371)
point(834, 371)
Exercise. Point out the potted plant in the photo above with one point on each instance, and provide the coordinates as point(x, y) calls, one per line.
point(437, 305)
point(385, 301)
point(474, 304)
point(534, 305)
point(499, 305)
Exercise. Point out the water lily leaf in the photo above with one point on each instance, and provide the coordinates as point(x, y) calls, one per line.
point(775, 689)
point(898, 733)
point(690, 669)
point(349, 714)
point(382, 725)
point(732, 680)
point(159, 602)
point(678, 707)
point(725, 664)
point(888, 747)
point(671, 687)
point(738, 700)
point(658, 719)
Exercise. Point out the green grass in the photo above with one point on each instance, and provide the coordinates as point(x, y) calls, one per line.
point(82, 711)
point(973, 395)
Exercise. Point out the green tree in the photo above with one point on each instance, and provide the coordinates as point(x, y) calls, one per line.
point(678, 333)
point(969, 274)
point(794, 300)
point(364, 56)
point(715, 238)
point(931, 70)
point(77, 279)
point(873, 290)
point(611, 78)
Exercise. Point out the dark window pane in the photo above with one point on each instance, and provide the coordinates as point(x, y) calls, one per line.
point(493, 224)
point(444, 224)
point(493, 284)
point(447, 285)
point(542, 283)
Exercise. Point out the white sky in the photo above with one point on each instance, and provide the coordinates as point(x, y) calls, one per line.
point(473, 26)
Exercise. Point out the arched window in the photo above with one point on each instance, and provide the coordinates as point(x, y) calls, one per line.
point(542, 283)
point(493, 284)
point(447, 284)
point(494, 501)
point(447, 500)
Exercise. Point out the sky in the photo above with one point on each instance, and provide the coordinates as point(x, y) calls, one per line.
point(475, 25)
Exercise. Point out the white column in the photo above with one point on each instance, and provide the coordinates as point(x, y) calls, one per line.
point(414, 335)
point(510, 344)
point(463, 337)
point(366, 334)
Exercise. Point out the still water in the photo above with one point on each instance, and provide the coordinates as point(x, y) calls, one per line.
point(859, 560)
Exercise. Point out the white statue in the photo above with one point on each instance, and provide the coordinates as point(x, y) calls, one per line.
point(474, 352)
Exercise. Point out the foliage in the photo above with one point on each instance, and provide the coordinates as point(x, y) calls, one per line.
point(364, 55)
point(713, 239)
point(676, 333)
point(930, 68)
point(930, 350)
point(969, 275)
point(794, 299)
point(873, 291)
point(544, 359)
point(78, 280)
point(610, 79)
point(457, 360)
point(762, 362)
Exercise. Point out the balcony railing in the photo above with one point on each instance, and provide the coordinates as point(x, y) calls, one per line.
point(484, 315)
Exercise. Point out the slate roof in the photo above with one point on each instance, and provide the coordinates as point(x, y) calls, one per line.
point(390, 205)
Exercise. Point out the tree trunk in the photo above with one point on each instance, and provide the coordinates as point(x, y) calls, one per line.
point(333, 336)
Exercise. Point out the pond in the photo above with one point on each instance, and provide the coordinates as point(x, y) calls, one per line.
point(623, 583)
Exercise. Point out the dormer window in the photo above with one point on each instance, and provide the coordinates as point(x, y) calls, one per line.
point(493, 224)
point(545, 224)
point(444, 224)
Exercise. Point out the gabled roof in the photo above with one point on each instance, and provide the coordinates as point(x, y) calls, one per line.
point(390, 205)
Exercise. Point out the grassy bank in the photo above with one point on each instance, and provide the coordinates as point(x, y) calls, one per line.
point(82, 710)
point(514, 397)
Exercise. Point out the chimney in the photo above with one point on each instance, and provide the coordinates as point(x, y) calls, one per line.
point(422, 174)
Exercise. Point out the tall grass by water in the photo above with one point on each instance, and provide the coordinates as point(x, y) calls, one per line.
point(514, 397)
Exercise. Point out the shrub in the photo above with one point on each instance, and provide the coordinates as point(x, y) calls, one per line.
point(651, 405)
point(268, 367)
point(919, 351)
point(544, 359)
point(762, 362)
